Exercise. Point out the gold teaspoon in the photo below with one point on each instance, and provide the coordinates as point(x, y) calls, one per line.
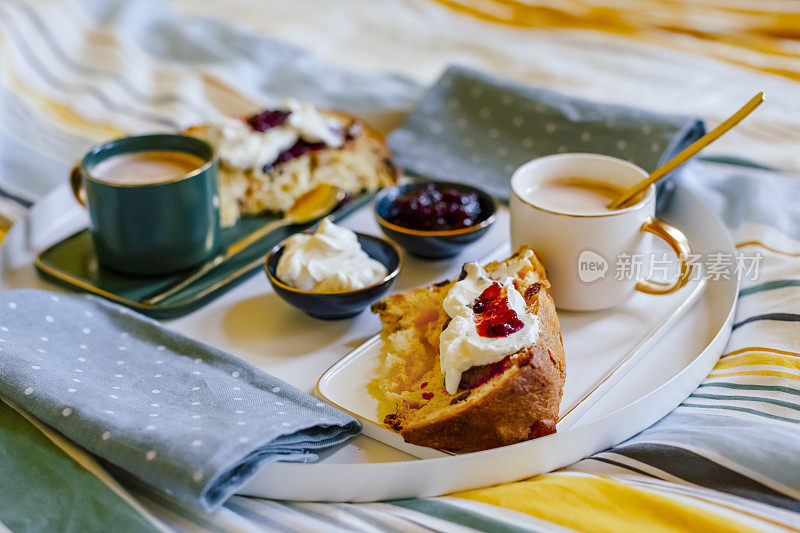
point(311, 205)
point(625, 198)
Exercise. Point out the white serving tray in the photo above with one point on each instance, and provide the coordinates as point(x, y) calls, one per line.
point(253, 323)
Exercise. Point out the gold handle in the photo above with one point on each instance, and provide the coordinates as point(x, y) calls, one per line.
point(76, 180)
point(680, 245)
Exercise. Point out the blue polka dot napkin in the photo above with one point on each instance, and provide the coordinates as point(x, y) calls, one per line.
point(180, 415)
point(476, 128)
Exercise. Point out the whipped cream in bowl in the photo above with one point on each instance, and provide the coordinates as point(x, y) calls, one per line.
point(329, 260)
point(333, 272)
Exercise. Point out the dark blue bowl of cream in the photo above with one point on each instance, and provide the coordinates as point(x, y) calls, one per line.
point(314, 272)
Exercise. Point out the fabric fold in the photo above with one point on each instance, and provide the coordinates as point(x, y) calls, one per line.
point(477, 128)
point(182, 416)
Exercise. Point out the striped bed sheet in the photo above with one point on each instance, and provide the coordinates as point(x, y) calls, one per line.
point(727, 459)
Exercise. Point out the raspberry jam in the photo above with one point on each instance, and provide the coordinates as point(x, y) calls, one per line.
point(478, 375)
point(429, 208)
point(268, 119)
point(299, 148)
point(493, 318)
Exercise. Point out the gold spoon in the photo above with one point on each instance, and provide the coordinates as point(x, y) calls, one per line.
point(311, 205)
point(625, 198)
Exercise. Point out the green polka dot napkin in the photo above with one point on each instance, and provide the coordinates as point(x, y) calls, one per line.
point(476, 128)
point(180, 415)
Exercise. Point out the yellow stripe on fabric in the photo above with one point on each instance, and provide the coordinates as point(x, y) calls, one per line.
point(588, 503)
point(760, 349)
point(746, 359)
point(766, 247)
point(245, 103)
point(708, 499)
point(768, 373)
point(747, 37)
point(57, 114)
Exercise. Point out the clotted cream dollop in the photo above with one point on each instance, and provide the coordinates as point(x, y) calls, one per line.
point(328, 260)
point(460, 345)
point(242, 147)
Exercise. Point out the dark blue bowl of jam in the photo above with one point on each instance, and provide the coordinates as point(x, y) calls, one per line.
point(434, 220)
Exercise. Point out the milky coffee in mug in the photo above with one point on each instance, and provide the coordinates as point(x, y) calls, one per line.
point(146, 167)
point(153, 202)
point(558, 208)
point(573, 195)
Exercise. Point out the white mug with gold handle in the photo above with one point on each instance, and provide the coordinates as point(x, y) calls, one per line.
point(581, 252)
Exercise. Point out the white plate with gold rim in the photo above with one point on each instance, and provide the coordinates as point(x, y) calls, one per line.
point(253, 323)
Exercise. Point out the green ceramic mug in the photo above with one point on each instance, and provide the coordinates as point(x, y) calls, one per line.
point(151, 227)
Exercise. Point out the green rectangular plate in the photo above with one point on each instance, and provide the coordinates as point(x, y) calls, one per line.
point(73, 263)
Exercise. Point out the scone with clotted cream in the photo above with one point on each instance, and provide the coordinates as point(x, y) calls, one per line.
point(474, 363)
point(269, 159)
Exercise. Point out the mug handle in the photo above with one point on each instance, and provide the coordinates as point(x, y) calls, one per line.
point(76, 181)
point(679, 244)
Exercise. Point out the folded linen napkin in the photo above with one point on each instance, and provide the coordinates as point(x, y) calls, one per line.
point(182, 416)
point(476, 128)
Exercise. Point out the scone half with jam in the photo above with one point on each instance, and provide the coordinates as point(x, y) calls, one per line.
point(269, 159)
point(475, 363)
